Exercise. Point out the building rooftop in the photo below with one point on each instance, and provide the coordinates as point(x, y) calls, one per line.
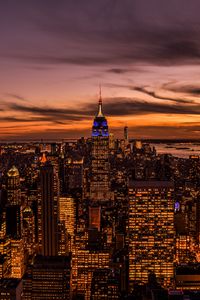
point(51, 261)
point(13, 172)
point(150, 184)
point(190, 269)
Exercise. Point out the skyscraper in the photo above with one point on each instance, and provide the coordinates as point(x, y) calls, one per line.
point(151, 231)
point(13, 187)
point(13, 207)
point(29, 230)
point(104, 285)
point(13, 221)
point(10, 289)
point(126, 133)
point(49, 210)
point(17, 258)
point(73, 174)
point(67, 214)
point(13, 211)
point(88, 261)
point(48, 278)
point(99, 188)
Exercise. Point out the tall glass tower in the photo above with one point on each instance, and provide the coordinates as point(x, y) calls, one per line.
point(100, 185)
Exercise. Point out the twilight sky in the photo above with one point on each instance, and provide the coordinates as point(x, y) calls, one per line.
point(54, 54)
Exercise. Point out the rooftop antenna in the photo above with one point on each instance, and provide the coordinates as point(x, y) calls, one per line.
point(100, 98)
point(100, 113)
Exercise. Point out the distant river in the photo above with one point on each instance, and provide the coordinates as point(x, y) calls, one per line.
point(183, 150)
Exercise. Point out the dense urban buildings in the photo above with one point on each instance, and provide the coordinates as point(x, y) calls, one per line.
point(98, 218)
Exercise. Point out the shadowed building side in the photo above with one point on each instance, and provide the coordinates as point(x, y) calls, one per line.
point(49, 211)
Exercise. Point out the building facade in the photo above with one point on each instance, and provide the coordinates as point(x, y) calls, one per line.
point(151, 231)
point(49, 210)
point(100, 183)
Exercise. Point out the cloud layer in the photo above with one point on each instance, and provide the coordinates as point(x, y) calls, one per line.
point(146, 54)
point(113, 106)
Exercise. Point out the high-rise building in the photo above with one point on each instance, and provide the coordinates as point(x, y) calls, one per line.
point(5, 252)
point(151, 231)
point(13, 209)
point(29, 230)
point(49, 210)
point(104, 285)
point(126, 133)
point(13, 206)
point(17, 258)
point(48, 278)
point(87, 262)
point(13, 221)
point(111, 141)
point(73, 174)
point(63, 248)
point(10, 289)
point(67, 213)
point(187, 279)
point(61, 173)
point(100, 181)
point(13, 187)
point(54, 149)
point(94, 217)
point(185, 249)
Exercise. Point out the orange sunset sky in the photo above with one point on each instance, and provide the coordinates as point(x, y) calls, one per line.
point(54, 55)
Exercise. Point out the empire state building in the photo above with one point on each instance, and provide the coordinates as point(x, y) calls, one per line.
point(100, 181)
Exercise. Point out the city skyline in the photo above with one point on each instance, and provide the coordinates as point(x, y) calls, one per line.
point(99, 218)
point(53, 57)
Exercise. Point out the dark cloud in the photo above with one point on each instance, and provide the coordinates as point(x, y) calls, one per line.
point(104, 32)
point(156, 51)
point(48, 114)
point(148, 91)
point(172, 132)
point(182, 49)
point(127, 106)
point(21, 120)
point(160, 97)
point(72, 114)
point(82, 60)
point(117, 85)
point(31, 119)
point(118, 71)
point(118, 106)
point(17, 97)
point(192, 90)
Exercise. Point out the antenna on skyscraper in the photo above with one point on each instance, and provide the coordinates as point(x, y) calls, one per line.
point(100, 113)
point(100, 98)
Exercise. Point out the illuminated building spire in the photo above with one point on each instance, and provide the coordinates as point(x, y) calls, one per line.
point(100, 113)
point(100, 126)
point(43, 159)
